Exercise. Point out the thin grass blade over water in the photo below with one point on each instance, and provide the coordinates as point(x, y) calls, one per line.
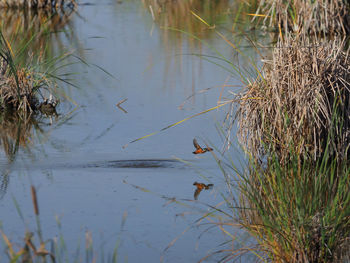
point(177, 123)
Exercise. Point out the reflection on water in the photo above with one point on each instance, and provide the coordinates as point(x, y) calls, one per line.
point(178, 14)
point(180, 28)
point(200, 187)
point(17, 133)
point(37, 21)
point(35, 27)
point(4, 182)
point(179, 18)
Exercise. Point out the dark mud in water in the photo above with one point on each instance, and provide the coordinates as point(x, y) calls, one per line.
point(136, 164)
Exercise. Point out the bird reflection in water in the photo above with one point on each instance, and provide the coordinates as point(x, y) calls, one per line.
point(200, 187)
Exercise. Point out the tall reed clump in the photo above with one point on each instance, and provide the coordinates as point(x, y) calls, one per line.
point(16, 87)
point(298, 211)
point(22, 85)
point(294, 121)
point(319, 16)
point(301, 101)
point(17, 91)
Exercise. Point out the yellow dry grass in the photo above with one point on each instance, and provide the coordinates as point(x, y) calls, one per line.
point(302, 99)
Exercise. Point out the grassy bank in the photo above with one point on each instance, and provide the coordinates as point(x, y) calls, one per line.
point(298, 211)
point(294, 125)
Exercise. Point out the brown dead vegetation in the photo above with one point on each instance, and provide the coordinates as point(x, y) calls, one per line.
point(18, 96)
point(49, 4)
point(301, 102)
point(320, 16)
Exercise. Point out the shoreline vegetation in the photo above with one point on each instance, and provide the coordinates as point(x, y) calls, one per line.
point(22, 86)
point(293, 123)
point(301, 101)
point(27, 75)
point(319, 17)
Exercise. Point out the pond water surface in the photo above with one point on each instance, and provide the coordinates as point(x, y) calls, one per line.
point(77, 162)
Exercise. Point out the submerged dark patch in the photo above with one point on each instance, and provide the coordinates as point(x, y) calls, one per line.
point(146, 163)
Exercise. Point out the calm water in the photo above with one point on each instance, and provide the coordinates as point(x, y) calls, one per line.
point(83, 175)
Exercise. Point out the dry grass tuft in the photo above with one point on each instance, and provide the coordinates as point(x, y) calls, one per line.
point(319, 16)
point(37, 4)
point(302, 100)
point(20, 86)
point(21, 96)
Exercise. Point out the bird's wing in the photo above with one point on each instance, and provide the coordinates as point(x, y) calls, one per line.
point(209, 186)
point(196, 145)
point(196, 193)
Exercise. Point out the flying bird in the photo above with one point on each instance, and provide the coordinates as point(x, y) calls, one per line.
point(199, 149)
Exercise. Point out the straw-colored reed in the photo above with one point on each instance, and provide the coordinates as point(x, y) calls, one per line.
point(319, 16)
point(301, 101)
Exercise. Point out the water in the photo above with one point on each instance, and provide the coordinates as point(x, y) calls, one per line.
point(77, 162)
